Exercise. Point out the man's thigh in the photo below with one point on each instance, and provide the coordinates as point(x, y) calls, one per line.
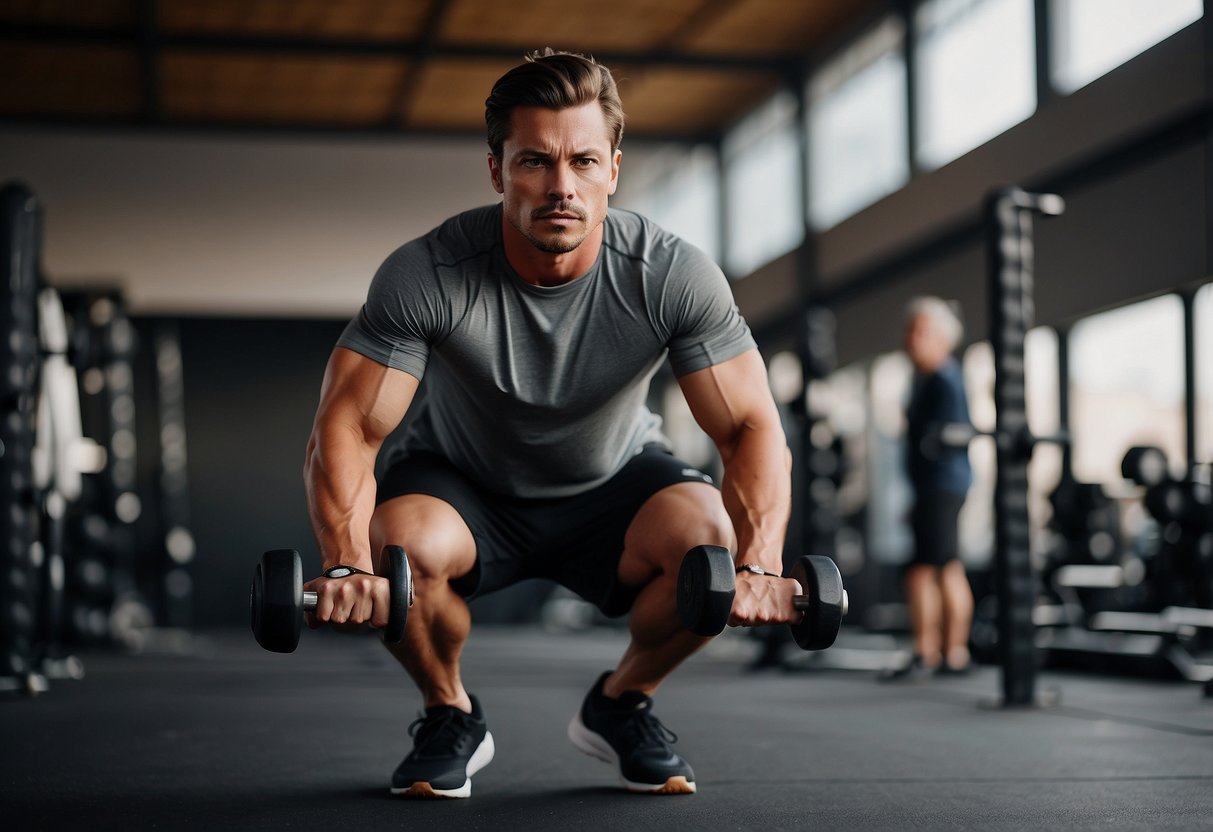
point(669, 524)
point(601, 536)
point(431, 531)
point(604, 544)
point(451, 521)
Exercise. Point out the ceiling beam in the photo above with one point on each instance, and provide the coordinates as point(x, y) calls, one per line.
point(415, 48)
point(697, 21)
point(402, 103)
point(295, 130)
point(149, 62)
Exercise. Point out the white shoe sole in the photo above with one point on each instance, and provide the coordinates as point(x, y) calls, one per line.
point(480, 758)
point(593, 744)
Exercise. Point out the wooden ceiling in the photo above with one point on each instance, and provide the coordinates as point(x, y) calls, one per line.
point(686, 68)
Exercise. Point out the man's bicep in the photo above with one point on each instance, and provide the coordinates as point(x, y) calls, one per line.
point(731, 396)
point(364, 394)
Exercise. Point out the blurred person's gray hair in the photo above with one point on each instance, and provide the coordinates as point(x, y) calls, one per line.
point(943, 315)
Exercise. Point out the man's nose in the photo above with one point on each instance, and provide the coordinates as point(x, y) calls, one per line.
point(561, 186)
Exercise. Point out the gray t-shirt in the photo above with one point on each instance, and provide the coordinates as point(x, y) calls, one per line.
point(540, 391)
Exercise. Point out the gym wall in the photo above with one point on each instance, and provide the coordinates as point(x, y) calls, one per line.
point(251, 388)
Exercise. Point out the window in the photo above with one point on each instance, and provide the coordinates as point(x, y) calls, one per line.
point(1203, 316)
point(1092, 37)
point(976, 73)
point(1127, 386)
point(857, 125)
point(681, 194)
point(765, 209)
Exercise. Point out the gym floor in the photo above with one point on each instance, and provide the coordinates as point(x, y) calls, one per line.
point(233, 737)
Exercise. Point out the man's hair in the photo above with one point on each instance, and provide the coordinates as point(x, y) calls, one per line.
point(944, 316)
point(555, 80)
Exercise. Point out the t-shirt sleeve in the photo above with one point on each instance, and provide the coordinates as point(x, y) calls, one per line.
point(705, 326)
point(404, 312)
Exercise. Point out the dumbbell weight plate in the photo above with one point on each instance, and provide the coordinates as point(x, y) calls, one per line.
point(277, 600)
point(706, 585)
point(394, 565)
point(1145, 465)
point(821, 581)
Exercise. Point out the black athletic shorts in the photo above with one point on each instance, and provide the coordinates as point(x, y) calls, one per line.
point(576, 541)
point(936, 538)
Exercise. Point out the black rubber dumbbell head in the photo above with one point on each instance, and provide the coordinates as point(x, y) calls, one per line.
point(394, 565)
point(277, 600)
point(1145, 465)
point(825, 602)
point(706, 585)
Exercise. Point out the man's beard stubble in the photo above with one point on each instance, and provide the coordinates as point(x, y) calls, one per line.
point(563, 243)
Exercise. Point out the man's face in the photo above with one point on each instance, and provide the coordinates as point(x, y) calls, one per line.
point(923, 343)
point(555, 173)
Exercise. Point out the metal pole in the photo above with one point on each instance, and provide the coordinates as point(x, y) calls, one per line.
point(1011, 312)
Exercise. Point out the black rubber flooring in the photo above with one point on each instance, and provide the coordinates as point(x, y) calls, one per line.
point(244, 739)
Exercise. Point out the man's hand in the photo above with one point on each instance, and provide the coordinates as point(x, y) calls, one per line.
point(350, 602)
point(764, 599)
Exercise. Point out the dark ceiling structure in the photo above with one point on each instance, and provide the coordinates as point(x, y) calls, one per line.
point(686, 68)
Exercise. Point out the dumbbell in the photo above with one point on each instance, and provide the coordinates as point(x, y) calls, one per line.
point(707, 583)
point(278, 601)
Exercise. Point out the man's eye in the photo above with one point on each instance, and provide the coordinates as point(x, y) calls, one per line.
point(532, 163)
point(586, 162)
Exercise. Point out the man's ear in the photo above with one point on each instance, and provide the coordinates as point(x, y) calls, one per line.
point(495, 174)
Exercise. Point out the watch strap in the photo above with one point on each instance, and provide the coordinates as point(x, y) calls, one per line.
point(343, 571)
point(754, 568)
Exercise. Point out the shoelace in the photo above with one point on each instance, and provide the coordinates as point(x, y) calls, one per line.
point(442, 731)
point(647, 730)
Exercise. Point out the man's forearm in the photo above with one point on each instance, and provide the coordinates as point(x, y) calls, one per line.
point(756, 489)
point(339, 474)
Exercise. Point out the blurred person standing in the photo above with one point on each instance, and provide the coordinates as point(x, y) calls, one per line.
point(938, 594)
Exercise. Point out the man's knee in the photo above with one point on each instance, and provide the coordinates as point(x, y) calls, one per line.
point(675, 519)
point(955, 581)
point(922, 575)
point(437, 541)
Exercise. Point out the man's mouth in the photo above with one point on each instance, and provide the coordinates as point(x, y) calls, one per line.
point(550, 214)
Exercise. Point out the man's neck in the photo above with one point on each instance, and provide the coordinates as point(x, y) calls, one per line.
point(542, 268)
point(933, 364)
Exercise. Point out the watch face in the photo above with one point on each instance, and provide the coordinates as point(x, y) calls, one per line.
point(338, 572)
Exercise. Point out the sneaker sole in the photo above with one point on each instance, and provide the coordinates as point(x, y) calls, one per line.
point(480, 758)
point(595, 746)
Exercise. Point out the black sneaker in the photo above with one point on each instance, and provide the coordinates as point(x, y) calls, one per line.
point(449, 746)
point(624, 732)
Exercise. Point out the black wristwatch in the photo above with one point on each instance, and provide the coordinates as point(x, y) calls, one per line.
point(343, 571)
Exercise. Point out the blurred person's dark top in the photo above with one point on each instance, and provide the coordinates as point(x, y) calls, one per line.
point(937, 399)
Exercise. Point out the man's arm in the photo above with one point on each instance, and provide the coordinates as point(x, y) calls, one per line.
point(732, 402)
point(361, 402)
